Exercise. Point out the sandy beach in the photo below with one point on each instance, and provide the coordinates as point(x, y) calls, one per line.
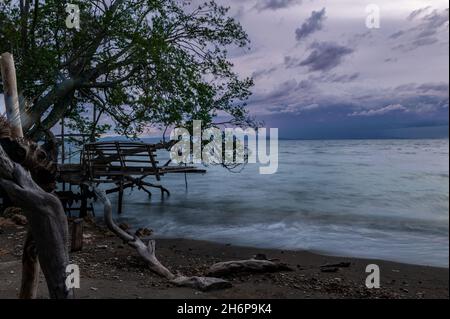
point(110, 269)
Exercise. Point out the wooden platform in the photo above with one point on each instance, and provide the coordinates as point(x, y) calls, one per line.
point(105, 162)
point(124, 164)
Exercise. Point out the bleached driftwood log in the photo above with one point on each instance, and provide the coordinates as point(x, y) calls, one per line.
point(48, 223)
point(147, 252)
point(246, 266)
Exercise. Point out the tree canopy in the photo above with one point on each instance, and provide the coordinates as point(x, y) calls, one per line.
point(139, 62)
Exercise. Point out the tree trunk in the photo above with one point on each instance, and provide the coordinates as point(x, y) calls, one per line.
point(30, 269)
point(48, 223)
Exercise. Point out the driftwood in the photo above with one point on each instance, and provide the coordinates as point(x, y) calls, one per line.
point(48, 226)
point(246, 266)
point(147, 252)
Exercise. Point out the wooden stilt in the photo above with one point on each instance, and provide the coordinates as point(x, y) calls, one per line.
point(83, 207)
point(77, 235)
point(120, 204)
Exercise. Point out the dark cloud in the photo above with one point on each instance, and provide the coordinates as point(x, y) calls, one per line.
point(426, 30)
point(439, 88)
point(423, 42)
point(276, 4)
point(264, 72)
point(397, 34)
point(388, 60)
point(291, 62)
point(337, 78)
point(436, 87)
point(312, 24)
point(418, 12)
point(325, 56)
point(381, 111)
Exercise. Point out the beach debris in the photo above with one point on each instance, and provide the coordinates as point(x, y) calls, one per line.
point(19, 220)
point(260, 257)
point(202, 283)
point(332, 268)
point(5, 222)
point(247, 266)
point(329, 270)
point(338, 265)
point(124, 226)
point(11, 211)
point(143, 232)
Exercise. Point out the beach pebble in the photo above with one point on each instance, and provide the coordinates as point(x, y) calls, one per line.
point(260, 257)
point(329, 270)
point(19, 219)
point(143, 232)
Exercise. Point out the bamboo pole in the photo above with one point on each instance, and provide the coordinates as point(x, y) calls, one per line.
point(10, 93)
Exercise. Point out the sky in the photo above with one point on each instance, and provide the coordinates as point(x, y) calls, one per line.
point(320, 72)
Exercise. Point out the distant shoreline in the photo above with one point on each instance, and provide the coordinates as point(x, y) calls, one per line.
point(113, 138)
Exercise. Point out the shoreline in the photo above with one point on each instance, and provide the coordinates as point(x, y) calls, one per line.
point(110, 269)
point(317, 252)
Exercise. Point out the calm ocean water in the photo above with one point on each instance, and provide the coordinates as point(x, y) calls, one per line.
point(385, 199)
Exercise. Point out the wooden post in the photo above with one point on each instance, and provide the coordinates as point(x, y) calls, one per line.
point(77, 235)
point(120, 204)
point(10, 92)
point(84, 195)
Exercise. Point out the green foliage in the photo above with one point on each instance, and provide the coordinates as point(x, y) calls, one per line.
point(141, 62)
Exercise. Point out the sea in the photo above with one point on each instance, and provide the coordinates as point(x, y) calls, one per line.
point(376, 199)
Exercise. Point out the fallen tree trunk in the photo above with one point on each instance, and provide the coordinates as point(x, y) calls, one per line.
point(147, 252)
point(48, 224)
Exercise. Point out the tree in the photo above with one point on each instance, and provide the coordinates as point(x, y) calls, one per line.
point(139, 62)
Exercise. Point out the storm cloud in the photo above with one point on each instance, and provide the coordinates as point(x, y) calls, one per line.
point(312, 24)
point(381, 111)
point(276, 4)
point(325, 56)
point(427, 25)
point(320, 73)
